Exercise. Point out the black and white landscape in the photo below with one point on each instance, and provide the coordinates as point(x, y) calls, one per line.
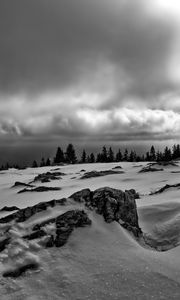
point(89, 149)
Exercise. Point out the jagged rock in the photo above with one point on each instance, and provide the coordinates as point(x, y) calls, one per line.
point(113, 204)
point(166, 187)
point(83, 170)
point(117, 167)
point(20, 184)
point(92, 174)
point(164, 164)
point(9, 208)
point(46, 177)
point(19, 271)
point(25, 213)
point(40, 189)
point(149, 169)
point(4, 243)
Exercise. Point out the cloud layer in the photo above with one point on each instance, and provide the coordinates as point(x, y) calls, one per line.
point(100, 69)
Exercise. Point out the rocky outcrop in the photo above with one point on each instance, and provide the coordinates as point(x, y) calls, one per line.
point(20, 184)
point(117, 167)
point(48, 176)
point(25, 213)
point(150, 169)
point(9, 208)
point(40, 189)
point(20, 270)
point(113, 204)
point(92, 174)
point(165, 187)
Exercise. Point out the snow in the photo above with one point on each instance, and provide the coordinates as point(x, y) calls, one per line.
point(102, 261)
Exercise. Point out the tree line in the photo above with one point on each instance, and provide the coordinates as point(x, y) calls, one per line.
point(105, 155)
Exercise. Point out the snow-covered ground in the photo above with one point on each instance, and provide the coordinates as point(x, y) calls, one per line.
point(102, 261)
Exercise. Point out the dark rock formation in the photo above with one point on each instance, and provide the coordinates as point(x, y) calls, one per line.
point(40, 189)
point(150, 169)
point(47, 177)
point(100, 173)
point(9, 208)
point(113, 204)
point(166, 187)
point(21, 270)
point(20, 184)
point(24, 214)
point(117, 167)
point(64, 225)
point(164, 164)
point(4, 243)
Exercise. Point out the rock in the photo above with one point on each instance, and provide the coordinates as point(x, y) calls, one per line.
point(19, 271)
point(9, 208)
point(4, 243)
point(100, 173)
point(47, 177)
point(20, 184)
point(40, 189)
point(25, 213)
point(117, 167)
point(83, 170)
point(166, 187)
point(113, 204)
point(149, 169)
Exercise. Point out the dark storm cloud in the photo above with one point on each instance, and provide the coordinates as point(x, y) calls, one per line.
point(47, 45)
point(90, 69)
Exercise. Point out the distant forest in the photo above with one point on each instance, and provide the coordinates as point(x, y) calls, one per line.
point(106, 155)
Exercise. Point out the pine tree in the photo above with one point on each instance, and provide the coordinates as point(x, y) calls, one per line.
point(119, 156)
point(104, 156)
point(110, 157)
point(83, 157)
point(48, 162)
point(125, 155)
point(71, 154)
point(59, 158)
point(152, 154)
point(34, 164)
point(42, 164)
point(92, 158)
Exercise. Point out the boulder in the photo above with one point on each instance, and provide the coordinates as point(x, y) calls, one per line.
point(92, 174)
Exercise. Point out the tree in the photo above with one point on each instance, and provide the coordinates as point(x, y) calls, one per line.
point(104, 156)
point(34, 164)
point(152, 154)
point(48, 162)
point(59, 156)
point(125, 155)
point(147, 156)
point(119, 156)
point(132, 156)
point(71, 154)
point(167, 154)
point(92, 158)
point(99, 158)
point(110, 157)
point(42, 164)
point(84, 157)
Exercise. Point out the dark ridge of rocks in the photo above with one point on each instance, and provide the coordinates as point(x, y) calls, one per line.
point(175, 172)
point(114, 205)
point(64, 225)
point(149, 169)
point(4, 243)
point(166, 187)
point(92, 174)
point(21, 270)
point(117, 167)
point(20, 184)
point(25, 213)
point(9, 208)
point(48, 176)
point(40, 189)
point(163, 163)
point(83, 170)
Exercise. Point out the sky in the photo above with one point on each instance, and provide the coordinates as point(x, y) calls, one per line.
point(91, 72)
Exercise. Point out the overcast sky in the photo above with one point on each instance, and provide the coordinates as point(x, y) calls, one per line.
point(89, 71)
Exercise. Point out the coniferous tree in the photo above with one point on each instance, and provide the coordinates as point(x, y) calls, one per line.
point(34, 164)
point(125, 155)
point(104, 155)
point(71, 154)
point(147, 156)
point(167, 154)
point(152, 154)
point(119, 156)
point(42, 164)
point(83, 157)
point(110, 157)
point(92, 158)
point(48, 162)
point(59, 158)
point(98, 158)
